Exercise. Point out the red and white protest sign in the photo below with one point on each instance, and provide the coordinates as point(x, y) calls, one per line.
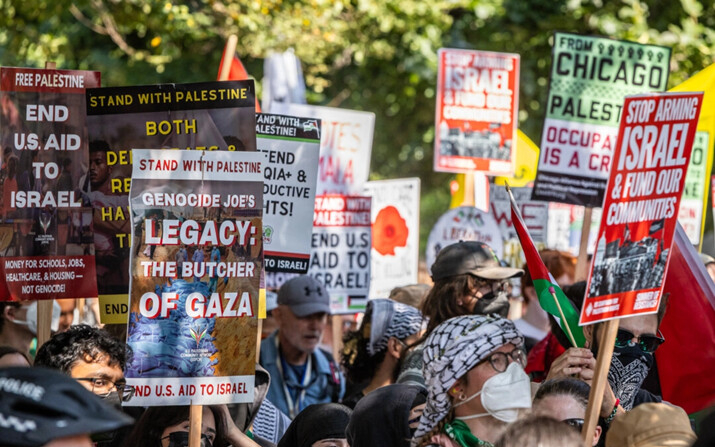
point(640, 210)
point(477, 106)
point(340, 250)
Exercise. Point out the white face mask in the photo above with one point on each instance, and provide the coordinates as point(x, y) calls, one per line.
point(31, 317)
point(503, 395)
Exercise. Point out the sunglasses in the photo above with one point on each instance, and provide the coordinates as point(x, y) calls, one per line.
point(574, 422)
point(647, 342)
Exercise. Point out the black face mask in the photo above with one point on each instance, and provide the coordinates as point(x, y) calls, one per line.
point(181, 439)
point(491, 303)
point(113, 399)
point(629, 368)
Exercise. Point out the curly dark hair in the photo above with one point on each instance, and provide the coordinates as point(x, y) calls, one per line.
point(81, 342)
point(357, 363)
point(149, 428)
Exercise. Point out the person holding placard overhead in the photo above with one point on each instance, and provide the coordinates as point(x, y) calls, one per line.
point(301, 373)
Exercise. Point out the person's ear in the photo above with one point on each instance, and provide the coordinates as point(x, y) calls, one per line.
point(394, 347)
point(9, 313)
point(596, 435)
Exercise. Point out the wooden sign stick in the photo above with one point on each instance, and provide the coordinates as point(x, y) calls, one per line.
point(606, 342)
point(228, 57)
point(582, 261)
point(195, 413)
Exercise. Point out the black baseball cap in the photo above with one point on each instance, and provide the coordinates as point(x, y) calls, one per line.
point(40, 405)
point(475, 258)
point(305, 296)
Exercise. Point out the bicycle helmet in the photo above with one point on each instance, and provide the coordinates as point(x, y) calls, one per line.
point(39, 405)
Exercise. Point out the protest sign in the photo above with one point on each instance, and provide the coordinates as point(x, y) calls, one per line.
point(565, 226)
point(204, 116)
point(465, 223)
point(477, 106)
point(340, 255)
point(590, 76)
point(690, 215)
point(535, 215)
point(395, 234)
point(46, 234)
point(640, 212)
point(196, 262)
point(291, 146)
point(345, 146)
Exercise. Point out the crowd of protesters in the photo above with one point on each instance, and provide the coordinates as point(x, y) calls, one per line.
point(447, 365)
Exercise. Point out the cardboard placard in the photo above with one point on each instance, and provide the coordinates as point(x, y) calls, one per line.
point(395, 234)
point(340, 256)
point(590, 76)
point(640, 212)
point(291, 146)
point(203, 116)
point(477, 107)
point(345, 146)
point(47, 241)
point(196, 266)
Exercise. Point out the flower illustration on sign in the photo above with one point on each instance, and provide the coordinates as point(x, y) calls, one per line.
point(389, 231)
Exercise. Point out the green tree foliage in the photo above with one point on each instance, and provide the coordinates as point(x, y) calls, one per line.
point(375, 55)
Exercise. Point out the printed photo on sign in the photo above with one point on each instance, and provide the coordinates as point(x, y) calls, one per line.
point(476, 117)
point(46, 228)
point(195, 276)
point(211, 116)
point(641, 207)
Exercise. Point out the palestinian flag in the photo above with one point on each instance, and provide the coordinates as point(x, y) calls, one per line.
point(546, 287)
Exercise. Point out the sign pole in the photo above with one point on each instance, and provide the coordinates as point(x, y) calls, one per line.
point(44, 307)
point(195, 425)
point(228, 57)
point(582, 260)
point(337, 327)
point(606, 341)
point(468, 199)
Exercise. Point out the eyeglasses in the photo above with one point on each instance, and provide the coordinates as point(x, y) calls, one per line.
point(575, 423)
point(102, 387)
point(647, 342)
point(500, 360)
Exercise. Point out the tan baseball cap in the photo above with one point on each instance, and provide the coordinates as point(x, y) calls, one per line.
point(651, 425)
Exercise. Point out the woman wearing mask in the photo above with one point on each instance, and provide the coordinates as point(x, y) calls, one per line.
point(468, 280)
point(474, 369)
point(372, 353)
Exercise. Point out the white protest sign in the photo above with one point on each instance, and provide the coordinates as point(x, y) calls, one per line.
point(345, 146)
point(340, 256)
point(395, 234)
point(291, 146)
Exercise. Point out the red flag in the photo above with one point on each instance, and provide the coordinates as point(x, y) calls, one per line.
point(686, 360)
point(237, 72)
point(547, 289)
